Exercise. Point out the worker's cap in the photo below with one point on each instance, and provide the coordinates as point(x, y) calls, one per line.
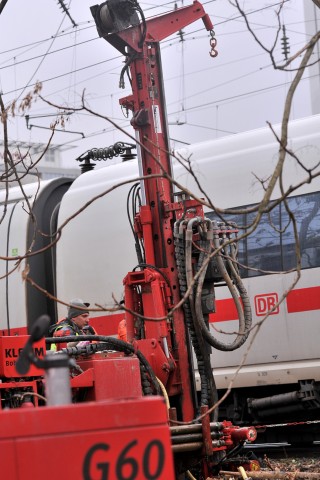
point(77, 307)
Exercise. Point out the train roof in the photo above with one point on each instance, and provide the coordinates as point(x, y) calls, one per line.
point(302, 127)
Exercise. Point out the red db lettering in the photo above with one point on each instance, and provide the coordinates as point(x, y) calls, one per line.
point(265, 303)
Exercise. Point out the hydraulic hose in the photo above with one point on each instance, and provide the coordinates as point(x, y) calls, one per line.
point(245, 317)
point(241, 288)
point(209, 395)
point(180, 251)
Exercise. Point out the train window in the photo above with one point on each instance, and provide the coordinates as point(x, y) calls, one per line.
point(306, 210)
point(263, 245)
point(271, 247)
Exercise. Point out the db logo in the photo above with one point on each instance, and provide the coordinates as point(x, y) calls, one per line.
point(264, 303)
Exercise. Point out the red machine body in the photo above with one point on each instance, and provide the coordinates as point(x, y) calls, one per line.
point(10, 349)
point(110, 440)
point(109, 376)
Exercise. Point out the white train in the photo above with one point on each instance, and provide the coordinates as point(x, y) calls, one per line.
point(95, 251)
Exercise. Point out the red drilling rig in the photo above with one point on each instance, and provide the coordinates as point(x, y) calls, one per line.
point(135, 411)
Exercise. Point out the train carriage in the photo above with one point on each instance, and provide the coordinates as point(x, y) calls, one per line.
point(96, 250)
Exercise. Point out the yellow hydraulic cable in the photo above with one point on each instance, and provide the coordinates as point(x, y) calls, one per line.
point(189, 475)
point(164, 392)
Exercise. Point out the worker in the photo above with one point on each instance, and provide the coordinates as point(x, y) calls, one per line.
point(76, 323)
point(122, 330)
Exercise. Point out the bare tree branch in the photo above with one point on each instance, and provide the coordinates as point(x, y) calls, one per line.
point(2, 5)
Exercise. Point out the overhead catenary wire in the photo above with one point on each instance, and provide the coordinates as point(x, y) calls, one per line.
point(168, 3)
point(207, 105)
point(62, 75)
point(242, 59)
point(173, 113)
point(193, 108)
point(39, 42)
point(66, 10)
point(233, 98)
point(239, 16)
point(190, 96)
point(41, 62)
point(64, 33)
point(49, 53)
point(168, 79)
point(242, 95)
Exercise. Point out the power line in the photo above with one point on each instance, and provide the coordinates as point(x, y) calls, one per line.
point(119, 57)
point(223, 84)
point(207, 104)
point(95, 134)
point(63, 74)
point(49, 53)
point(118, 92)
point(228, 81)
point(241, 95)
point(62, 34)
point(90, 66)
point(178, 76)
point(66, 10)
point(42, 60)
point(106, 61)
point(235, 18)
point(255, 11)
point(210, 128)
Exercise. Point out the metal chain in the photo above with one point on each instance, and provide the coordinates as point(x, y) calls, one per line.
point(213, 44)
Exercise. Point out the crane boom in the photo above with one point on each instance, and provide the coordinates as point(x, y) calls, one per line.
point(140, 43)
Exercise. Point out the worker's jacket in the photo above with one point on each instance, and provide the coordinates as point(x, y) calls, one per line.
point(67, 327)
point(64, 328)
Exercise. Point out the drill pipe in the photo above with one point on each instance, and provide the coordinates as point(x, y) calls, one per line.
point(188, 447)
point(182, 429)
point(193, 437)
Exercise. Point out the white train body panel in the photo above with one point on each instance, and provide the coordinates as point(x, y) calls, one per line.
point(96, 250)
point(13, 243)
point(21, 304)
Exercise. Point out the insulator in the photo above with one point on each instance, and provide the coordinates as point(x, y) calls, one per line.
point(66, 10)
point(110, 152)
point(119, 148)
point(285, 44)
point(128, 155)
point(87, 166)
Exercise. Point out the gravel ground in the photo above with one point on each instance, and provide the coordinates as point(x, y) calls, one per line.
point(287, 468)
point(303, 464)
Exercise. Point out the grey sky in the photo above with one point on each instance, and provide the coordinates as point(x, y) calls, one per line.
point(208, 97)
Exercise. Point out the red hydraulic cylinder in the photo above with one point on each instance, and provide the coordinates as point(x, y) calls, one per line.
point(239, 434)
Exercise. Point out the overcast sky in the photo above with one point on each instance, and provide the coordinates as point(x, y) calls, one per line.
point(208, 97)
